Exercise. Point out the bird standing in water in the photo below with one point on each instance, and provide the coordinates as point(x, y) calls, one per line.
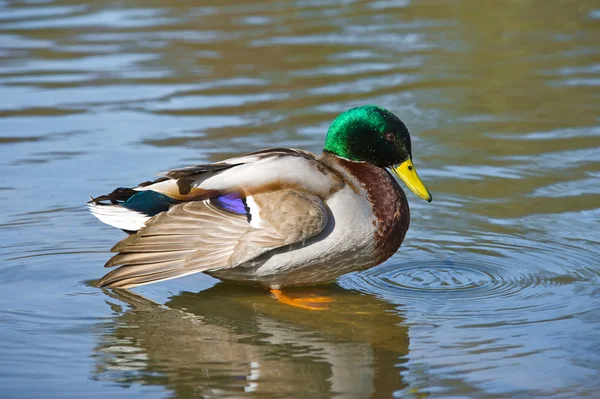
point(278, 217)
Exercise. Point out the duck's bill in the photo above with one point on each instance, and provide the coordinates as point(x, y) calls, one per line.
point(407, 172)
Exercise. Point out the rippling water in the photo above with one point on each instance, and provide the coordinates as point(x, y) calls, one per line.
point(495, 292)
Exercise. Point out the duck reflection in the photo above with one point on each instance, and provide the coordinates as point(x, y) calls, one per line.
point(229, 340)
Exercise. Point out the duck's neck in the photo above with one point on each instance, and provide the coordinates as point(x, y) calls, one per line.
point(388, 201)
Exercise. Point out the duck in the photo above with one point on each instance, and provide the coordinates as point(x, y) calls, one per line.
point(275, 218)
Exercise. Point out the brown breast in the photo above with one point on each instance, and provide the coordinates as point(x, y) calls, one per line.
point(390, 206)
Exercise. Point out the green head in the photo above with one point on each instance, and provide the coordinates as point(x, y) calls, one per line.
point(373, 134)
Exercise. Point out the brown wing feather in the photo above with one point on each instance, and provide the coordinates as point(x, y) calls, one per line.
point(198, 236)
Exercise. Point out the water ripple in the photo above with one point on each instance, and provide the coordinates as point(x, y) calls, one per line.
point(502, 277)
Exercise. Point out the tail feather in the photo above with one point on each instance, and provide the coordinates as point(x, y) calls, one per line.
point(128, 209)
point(118, 216)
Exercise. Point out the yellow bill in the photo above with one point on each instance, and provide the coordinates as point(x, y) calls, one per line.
point(407, 172)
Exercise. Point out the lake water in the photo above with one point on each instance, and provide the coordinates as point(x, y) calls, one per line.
point(495, 292)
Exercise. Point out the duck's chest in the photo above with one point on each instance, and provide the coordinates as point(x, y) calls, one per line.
point(390, 215)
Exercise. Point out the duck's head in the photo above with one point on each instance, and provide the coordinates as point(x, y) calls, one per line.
point(373, 134)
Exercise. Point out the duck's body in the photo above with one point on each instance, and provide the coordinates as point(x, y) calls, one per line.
point(277, 217)
point(354, 237)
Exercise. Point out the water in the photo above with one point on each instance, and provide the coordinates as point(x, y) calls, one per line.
point(495, 292)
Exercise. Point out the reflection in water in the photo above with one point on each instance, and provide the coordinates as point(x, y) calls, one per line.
point(231, 339)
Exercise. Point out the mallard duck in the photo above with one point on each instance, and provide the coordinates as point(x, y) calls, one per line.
point(278, 217)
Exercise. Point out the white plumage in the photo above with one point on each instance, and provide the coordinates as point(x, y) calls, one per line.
point(118, 216)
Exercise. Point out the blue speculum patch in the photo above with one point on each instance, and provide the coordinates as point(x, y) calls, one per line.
point(230, 202)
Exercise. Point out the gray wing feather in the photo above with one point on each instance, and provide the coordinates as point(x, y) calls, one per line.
point(198, 236)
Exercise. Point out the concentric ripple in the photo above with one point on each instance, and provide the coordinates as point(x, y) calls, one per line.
point(437, 279)
point(519, 276)
point(466, 279)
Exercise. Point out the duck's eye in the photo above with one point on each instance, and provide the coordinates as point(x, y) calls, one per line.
point(390, 137)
